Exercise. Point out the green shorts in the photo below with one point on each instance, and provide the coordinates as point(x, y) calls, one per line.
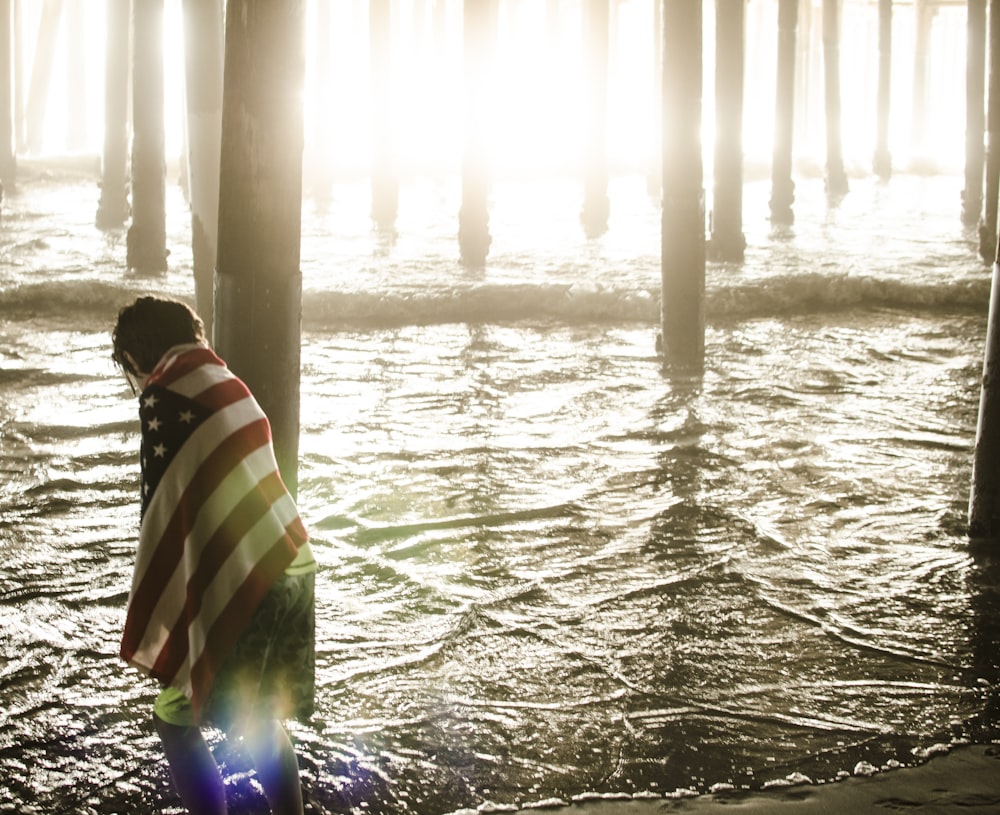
point(270, 673)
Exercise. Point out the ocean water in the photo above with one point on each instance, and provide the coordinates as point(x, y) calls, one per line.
point(549, 567)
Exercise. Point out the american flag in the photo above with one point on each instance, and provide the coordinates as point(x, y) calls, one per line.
point(218, 525)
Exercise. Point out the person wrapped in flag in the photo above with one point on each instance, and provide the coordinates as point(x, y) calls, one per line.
point(221, 609)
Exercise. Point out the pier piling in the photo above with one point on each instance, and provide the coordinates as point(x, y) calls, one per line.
point(112, 209)
point(682, 253)
point(203, 58)
point(988, 225)
point(146, 242)
point(727, 241)
point(782, 185)
point(975, 117)
point(882, 160)
point(836, 178)
point(8, 162)
point(258, 308)
point(596, 204)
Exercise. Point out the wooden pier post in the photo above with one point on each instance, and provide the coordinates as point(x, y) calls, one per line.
point(782, 185)
point(146, 242)
point(975, 116)
point(479, 27)
point(836, 178)
point(385, 186)
point(988, 226)
point(113, 208)
point(882, 160)
point(727, 241)
point(682, 253)
point(204, 41)
point(258, 308)
point(596, 204)
point(41, 75)
point(76, 75)
point(984, 500)
point(8, 161)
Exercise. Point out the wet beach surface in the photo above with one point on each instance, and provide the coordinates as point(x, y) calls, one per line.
point(547, 568)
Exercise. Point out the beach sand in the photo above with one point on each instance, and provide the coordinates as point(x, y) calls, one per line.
point(964, 780)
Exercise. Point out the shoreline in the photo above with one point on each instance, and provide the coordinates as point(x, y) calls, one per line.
point(965, 779)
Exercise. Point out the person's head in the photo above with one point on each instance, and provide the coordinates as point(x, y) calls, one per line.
point(150, 327)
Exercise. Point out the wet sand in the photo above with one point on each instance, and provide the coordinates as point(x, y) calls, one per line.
point(966, 780)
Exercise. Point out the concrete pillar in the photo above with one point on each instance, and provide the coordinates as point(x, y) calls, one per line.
point(988, 226)
point(479, 32)
point(727, 241)
point(203, 46)
point(975, 116)
point(596, 41)
point(146, 242)
point(258, 307)
point(385, 186)
point(882, 160)
point(836, 178)
point(113, 208)
point(8, 162)
point(782, 185)
point(682, 254)
point(41, 75)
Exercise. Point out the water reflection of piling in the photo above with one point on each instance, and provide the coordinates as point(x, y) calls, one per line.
point(258, 282)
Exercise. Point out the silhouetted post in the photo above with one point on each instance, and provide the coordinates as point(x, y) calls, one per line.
point(479, 27)
point(146, 242)
point(924, 14)
point(113, 210)
point(682, 254)
point(258, 308)
point(203, 44)
point(782, 185)
point(988, 227)
point(385, 187)
point(984, 501)
point(882, 161)
point(41, 74)
point(727, 241)
point(8, 162)
point(975, 117)
point(76, 74)
point(596, 204)
point(322, 172)
point(836, 178)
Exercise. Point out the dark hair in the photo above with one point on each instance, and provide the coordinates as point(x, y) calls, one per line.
point(149, 328)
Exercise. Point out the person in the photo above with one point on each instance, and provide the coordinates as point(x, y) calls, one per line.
point(221, 609)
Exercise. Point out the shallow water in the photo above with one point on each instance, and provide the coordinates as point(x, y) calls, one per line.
point(547, 567)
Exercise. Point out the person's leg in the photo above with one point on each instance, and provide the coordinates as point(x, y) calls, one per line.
point(277, 768)
point(195, 773)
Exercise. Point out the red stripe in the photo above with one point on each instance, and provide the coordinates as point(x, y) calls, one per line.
point(233, 530)
point(170, 547)
point(222, 394)
point(232, 622)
